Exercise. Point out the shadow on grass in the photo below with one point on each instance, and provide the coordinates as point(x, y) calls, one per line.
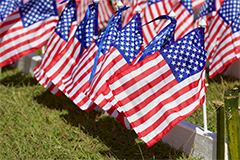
point(122, 143)
point(18, 79)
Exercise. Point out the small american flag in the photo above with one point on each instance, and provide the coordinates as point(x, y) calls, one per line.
point(7, 7)
point(218, 39)
point(64, 61)
point(56, 43)
point(123, 51)
point(164, 88)
point(27, 29)
point(77, 81)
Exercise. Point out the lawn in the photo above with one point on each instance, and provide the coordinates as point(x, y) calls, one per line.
point(34, 124)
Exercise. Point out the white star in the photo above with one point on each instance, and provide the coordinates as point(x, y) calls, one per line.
point(173, 62)
point(182, 70)
point(176, 69)
point(195, 69)
point(180, 76)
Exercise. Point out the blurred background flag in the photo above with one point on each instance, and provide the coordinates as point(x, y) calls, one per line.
point(56, 43)
point(105, 11)
point(7, 7)
point(27, 29)
point(218, 39)
point(164, 88)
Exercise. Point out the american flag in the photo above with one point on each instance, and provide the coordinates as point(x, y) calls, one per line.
point(207, 12)
point(64, 61)
point(64, 30)
point(236, 35)
point(164, 88)
point(154, 9)
point(27, 29)
point(218, 39)
point(77, 81)
point(123, 51)
point(163, 39)
point(128, 14)
point(105, 11)
point(7, 7)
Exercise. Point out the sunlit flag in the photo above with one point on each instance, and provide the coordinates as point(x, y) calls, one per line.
point(164, 88)
point(77, 81)
point(64, 61)
point(218, 39)
point(123, 51)
point(27, 29)
point(64, 30)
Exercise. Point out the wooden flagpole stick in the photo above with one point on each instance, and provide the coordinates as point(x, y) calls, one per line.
point(220, 128)
point(232, 121)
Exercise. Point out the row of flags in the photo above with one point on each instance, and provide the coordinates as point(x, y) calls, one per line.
point(146, 68)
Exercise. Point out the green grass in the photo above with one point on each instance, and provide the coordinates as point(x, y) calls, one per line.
point(34, 124)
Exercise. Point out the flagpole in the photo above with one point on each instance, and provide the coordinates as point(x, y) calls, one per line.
point(203, 24)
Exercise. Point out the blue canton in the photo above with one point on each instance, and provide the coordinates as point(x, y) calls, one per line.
point(229, 10)
point(66, 19)
point(150, 2)
point(130, 39)
point(207, 8)
point(236, 24)
point(37, 10)
point(188, 5)
point(163, 39)
point(184, 58)
point(87, 34)
point(8, 6)
point(110, 36)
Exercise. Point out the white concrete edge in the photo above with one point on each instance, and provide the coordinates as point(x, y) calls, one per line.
point(190, 137)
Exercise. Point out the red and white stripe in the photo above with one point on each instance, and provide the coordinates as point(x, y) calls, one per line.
point(130, 12)
point(77, 80)
point(105, 11)
point(197, 3)
point(224, 54)
point(152, 99)
point(212, 37)
point(151, 12)
point(17, 41)
point(55, 45)
point(64, 62)
point(99, 91)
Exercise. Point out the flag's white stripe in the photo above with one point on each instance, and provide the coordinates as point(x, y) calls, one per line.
point(172, 117)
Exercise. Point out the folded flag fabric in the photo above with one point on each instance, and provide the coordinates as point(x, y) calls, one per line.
point(218, 41)
point(77, 80)
point(27, 29)
point(63, 62)
point(164, 88)
point(125, 48)
point(58, 40)
point(7, 7)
